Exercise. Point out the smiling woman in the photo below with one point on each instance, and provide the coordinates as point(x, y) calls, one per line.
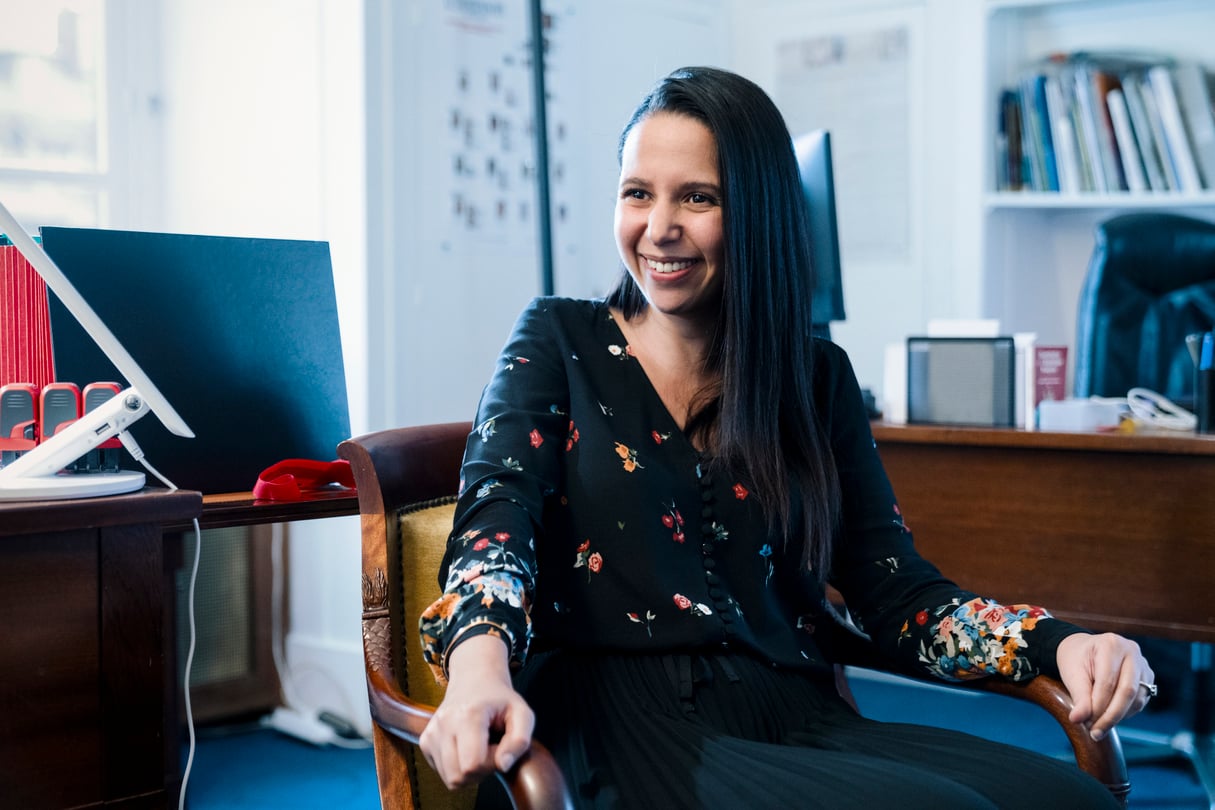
point(668, 219)
point(690, 469)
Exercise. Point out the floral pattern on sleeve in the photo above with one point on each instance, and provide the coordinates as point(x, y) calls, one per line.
point(961, 641)
point(487, 577)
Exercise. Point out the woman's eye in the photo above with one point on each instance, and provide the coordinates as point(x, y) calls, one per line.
point(698, 198)
point(633, 194)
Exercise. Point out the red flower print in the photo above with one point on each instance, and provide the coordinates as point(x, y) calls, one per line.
point(634, 617)
point(682, 602)
point(994, 615)
point(572, 437)
point(585, 559)
point(522, 360)
point(659, 438)
point(673, 520)
point(740, 492)
point(481, 544)
point(921, 617)
point(502, 537)
point(535, 438)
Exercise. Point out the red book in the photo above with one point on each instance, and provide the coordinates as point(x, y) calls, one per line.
point(1050, 373)
point(25, 325)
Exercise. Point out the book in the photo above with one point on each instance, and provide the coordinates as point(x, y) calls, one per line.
point(1194, 100)
point(1149, 152)
point(1067, 159)
point(1104, 81)
point(1161, 80)
point(1158, 137)
point(1090, 138)
point(25, 326)
point(1010, 116)
point(1050, 373)
point(1128, 149)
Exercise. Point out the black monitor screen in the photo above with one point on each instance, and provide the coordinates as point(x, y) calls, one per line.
point(818, 183)
point(240, 335)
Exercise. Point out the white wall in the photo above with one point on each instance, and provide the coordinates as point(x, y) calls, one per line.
point(264, 125)
point(893, 294)
point(446, 297)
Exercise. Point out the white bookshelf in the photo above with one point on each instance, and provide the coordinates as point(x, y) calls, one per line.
point(1036, 245)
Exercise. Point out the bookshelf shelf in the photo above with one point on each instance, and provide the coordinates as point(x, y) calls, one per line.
point(1124, 200)
point(1035, 245)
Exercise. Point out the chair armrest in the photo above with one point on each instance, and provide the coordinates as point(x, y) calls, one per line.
point(1102, 759)
point(534, 783)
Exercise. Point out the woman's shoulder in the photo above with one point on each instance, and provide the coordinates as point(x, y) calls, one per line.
point(829, 356)
point(569, 313)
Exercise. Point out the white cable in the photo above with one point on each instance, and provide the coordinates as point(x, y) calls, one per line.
point(128, 441)
point(185, 776)
point(1156, 410)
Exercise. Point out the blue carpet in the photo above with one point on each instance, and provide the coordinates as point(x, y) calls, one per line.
point(250, 768)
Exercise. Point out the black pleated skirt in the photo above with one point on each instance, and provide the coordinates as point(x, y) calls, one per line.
point(635, 732)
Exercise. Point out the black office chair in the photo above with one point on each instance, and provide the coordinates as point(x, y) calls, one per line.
point(1151, 282)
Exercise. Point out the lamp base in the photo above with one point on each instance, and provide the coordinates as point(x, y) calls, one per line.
point(70, 485)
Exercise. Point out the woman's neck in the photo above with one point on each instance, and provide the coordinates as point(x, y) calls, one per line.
point(673, 353)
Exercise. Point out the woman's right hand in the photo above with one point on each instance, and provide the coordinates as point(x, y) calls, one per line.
point(480, 702)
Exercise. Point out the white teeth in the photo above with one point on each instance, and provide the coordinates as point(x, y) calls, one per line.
point(668, 267)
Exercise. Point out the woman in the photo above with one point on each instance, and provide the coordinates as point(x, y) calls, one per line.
point(659, 488)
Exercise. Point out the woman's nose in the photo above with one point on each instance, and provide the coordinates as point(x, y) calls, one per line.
point(663, 223)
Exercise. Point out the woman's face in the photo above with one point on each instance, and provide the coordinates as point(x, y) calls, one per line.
point(669, 215)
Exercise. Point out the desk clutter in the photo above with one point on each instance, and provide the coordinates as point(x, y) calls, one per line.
point(240, 335)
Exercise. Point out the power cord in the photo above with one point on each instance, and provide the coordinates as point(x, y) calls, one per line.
point(128, 441)
point(1154, 410)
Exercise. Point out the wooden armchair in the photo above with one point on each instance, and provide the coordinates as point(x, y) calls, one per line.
point(406, 480)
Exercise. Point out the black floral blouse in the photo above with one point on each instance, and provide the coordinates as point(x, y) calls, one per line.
point(587, 519)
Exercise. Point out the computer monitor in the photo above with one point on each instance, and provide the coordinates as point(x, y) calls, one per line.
point(813, 151)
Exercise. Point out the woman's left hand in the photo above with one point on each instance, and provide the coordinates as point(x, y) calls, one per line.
point(1107, 677)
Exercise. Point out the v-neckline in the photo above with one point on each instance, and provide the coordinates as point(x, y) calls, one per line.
point(649, 384)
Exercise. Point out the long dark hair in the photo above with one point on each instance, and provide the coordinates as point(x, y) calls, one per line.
point(760, 413)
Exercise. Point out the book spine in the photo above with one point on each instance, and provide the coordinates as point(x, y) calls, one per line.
point(1195, 102)
point(1111, 161)
point(1178, 142)
point(1149, 153)
point(1128, 150)
point(1090, 136)
point(1064, 136)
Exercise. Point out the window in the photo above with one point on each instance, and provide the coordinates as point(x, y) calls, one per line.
point(65, 156)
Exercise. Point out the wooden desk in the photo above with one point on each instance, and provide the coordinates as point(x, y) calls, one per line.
point(86, 677)
point(1112, 532)
point(242, 509)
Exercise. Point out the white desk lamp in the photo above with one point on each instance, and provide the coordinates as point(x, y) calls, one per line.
point(37, 474)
